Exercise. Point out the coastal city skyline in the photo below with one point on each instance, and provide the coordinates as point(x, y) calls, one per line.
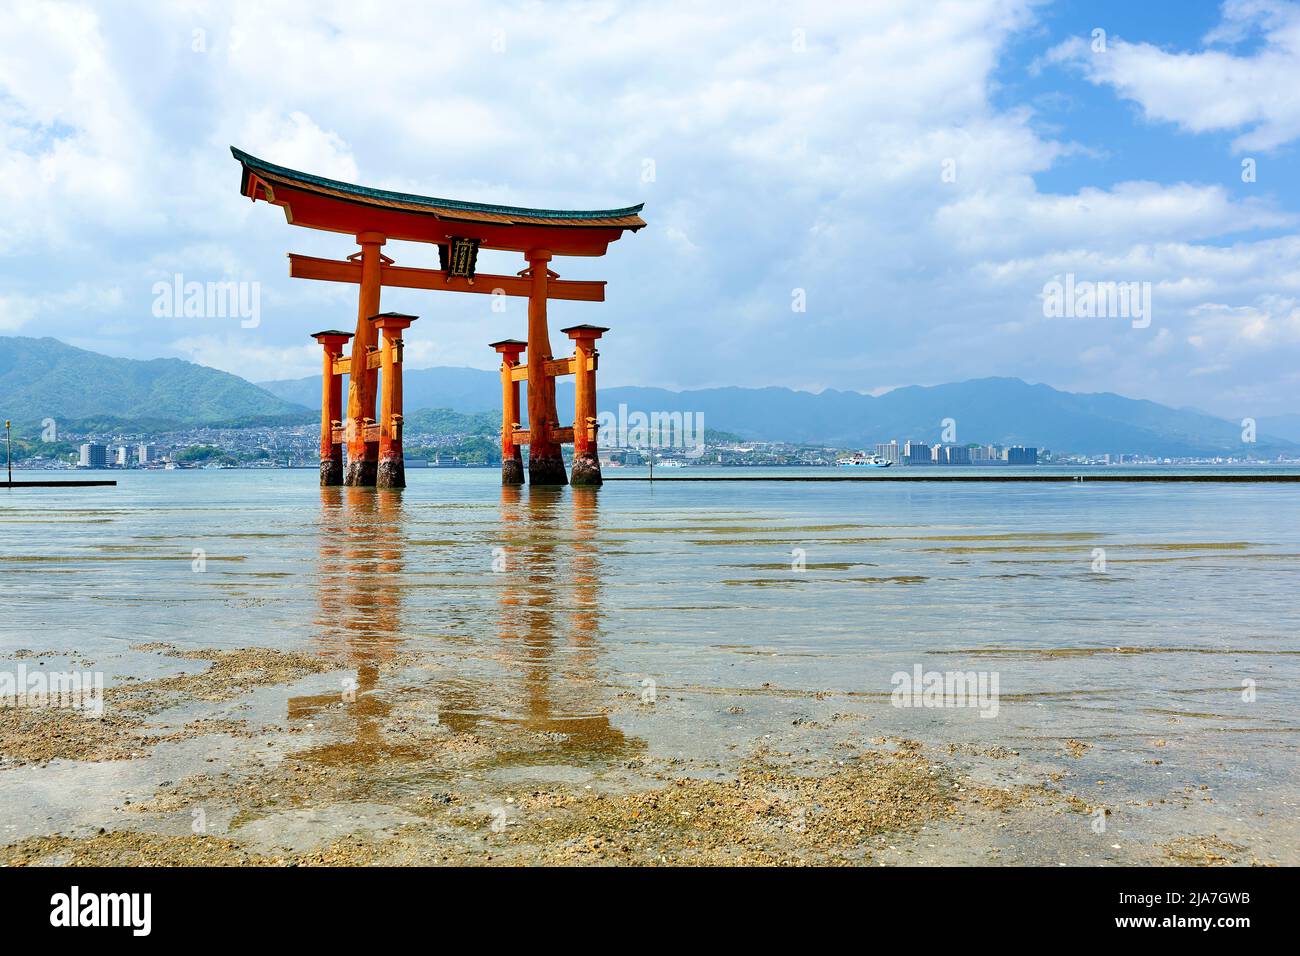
point(294, 447)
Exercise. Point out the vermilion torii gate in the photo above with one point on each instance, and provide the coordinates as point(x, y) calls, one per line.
point(459, 229)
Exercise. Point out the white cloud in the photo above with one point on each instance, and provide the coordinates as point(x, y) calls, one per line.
point(298, 143)
point(1212, 89)
point(245, 357)
point(73, 146)
point(1272, 322)
point(776, 168)
point(16, 311)
point(1126, 214)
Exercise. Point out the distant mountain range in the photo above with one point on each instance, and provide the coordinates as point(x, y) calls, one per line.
point(1281, 426)
point(1006, 411)
point(44, 378)
point(460, 389)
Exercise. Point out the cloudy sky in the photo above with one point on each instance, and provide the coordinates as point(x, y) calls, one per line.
point(919, 170)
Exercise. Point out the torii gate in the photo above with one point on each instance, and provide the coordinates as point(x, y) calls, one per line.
point(459, 229)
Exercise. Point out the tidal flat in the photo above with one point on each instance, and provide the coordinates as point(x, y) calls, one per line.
point(461, 673)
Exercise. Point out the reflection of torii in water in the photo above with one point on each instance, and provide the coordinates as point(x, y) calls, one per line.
point(362, 559)
point(531, 602)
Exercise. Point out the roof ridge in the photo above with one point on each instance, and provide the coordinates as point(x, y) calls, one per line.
point(248, 160)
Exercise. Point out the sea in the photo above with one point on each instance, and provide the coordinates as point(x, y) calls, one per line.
point(1156, 623)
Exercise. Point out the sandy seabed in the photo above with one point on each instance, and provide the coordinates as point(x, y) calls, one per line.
point(261, 757)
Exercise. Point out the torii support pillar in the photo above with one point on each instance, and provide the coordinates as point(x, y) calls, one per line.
point(391, 472)
point(586, 460)
point(363, 456)
point(545, 461)
point(331, 407)
point(512, 462)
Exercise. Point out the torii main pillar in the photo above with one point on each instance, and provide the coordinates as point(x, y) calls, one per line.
point(363, 456)
point(545, 461)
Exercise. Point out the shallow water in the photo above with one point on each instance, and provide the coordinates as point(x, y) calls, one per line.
point(551, 608)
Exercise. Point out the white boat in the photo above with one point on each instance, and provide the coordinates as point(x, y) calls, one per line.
point(863, 461)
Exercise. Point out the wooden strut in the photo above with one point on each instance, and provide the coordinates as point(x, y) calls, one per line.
point(405, 277)
point(374, 360)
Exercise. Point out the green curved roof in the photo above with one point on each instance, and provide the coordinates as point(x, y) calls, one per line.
point(366, 192)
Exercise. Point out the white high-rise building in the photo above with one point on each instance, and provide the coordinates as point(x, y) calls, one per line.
point(145, 454)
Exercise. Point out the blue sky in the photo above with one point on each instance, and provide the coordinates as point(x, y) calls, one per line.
point(793, 146)
point(1128, 146)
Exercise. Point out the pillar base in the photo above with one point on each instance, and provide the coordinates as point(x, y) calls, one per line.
point(586, 470)
point(331, 472)
point(391, 474)
point(512, 470)
point(362, 473)
point(547, 470)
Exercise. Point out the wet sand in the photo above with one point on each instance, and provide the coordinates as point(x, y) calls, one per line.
point(286, 760)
